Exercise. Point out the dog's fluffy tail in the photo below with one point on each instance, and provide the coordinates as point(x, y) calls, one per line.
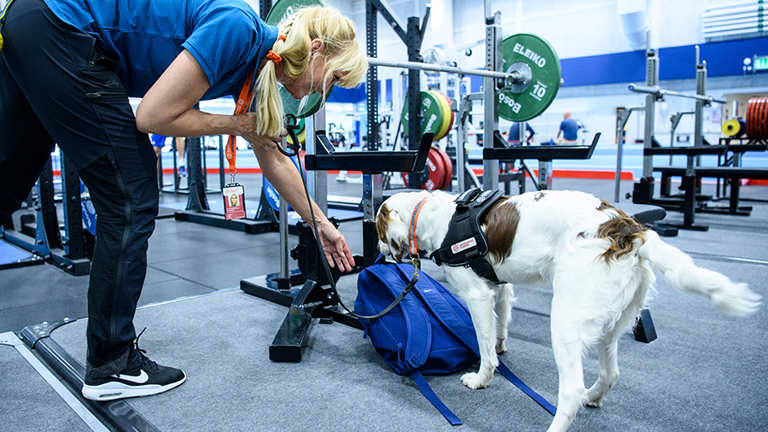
point(731, 298)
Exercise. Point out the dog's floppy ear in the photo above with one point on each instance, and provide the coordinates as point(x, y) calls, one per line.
point(392, 231)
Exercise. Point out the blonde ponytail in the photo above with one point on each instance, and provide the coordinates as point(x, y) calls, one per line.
point(341, 50)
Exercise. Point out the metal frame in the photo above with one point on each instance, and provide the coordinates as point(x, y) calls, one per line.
point(644, 190)
point(198, 210)
point(67, 252)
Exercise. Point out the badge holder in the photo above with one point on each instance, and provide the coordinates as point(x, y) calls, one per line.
point(234, 200)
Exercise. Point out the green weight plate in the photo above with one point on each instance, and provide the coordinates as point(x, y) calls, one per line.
point(431, 114)
point(281, 10)
point(544, 65)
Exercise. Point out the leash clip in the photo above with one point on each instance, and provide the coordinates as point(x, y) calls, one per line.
point(292, 126)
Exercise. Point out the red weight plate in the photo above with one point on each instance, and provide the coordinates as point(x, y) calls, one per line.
point(750, 126)
point(757, 116)
point(448, 165)
point(764, 119)
point(436, 169)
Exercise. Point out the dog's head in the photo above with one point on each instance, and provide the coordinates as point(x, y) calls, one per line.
point(393, 221)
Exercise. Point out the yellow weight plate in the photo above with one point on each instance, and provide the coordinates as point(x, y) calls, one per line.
point(445, 109)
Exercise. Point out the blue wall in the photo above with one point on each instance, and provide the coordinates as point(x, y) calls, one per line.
point(723, 59)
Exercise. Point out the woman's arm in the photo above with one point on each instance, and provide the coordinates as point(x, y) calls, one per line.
point(283, 174)
point(168, 106)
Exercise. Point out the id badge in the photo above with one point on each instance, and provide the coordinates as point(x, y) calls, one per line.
point(234, 201)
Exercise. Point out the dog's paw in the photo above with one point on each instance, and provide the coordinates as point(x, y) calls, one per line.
point(501, 346)
point(593, 401)
point(594, 404)
point(474, 381)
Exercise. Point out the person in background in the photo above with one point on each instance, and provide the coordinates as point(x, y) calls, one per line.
point(514, 134)
point(158, 142)
point(67, 69)
point(569, 130)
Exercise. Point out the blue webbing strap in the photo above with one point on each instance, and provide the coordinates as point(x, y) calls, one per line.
point(438, 312)
point(426, 390)
point(506, 373)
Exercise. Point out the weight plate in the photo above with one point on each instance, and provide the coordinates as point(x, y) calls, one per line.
point(750, 123)
point(539, 93)
point(764, 118)
point(731, 128)
point(301, 134)
point(279, 11)
point(435, 170)
point(450, 111)
point(450, 125)
point(448, 170)
point(756, 118)
point(445, 114)
point(431, 114)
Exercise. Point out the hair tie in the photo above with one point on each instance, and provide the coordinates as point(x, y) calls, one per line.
point(271, 55)
point(281, 37)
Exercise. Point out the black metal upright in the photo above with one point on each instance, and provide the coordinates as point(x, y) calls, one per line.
point(197, 200)
point(264, 7)
point(413, 46)
point(371, 80)
point(74, 243)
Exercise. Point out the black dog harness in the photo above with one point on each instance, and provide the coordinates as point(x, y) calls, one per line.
point(465, 243)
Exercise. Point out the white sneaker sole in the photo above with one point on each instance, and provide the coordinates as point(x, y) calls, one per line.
point(116, 390)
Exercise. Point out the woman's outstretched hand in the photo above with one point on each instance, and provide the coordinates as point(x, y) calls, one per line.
point(335, 247)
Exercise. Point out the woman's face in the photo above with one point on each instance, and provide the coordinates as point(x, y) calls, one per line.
point(312, 79)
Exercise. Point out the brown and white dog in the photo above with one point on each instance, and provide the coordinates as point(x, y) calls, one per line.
point(601, 264)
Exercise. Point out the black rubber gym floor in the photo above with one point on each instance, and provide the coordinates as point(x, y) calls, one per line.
point(706, 372)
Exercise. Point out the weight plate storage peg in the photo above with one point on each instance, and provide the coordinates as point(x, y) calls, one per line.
point(431, 114)
point(434, 174)
point(538, 67)
point(280, 10)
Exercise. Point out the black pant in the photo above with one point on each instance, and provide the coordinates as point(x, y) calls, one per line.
point(57, 85)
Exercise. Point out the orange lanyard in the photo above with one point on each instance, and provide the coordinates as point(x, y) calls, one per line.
point(243, 101)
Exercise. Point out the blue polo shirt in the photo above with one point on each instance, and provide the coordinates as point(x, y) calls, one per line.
point(226, 37)
point(570, 128)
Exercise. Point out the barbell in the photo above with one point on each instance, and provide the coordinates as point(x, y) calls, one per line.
point(529, 79)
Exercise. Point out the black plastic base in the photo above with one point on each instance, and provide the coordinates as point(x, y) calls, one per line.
point(248, 226)
point(644, 330)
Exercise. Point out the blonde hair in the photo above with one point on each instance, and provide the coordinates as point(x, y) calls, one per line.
point(341, 51)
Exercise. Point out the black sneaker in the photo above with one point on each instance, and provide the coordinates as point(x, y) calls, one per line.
point(143, 378)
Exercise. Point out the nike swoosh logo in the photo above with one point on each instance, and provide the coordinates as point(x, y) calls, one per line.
point(141, 378)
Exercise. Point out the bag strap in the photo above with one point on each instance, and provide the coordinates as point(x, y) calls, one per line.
point(418, 332)
point(440, 308)
point(506, 373)
point(426, 390)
